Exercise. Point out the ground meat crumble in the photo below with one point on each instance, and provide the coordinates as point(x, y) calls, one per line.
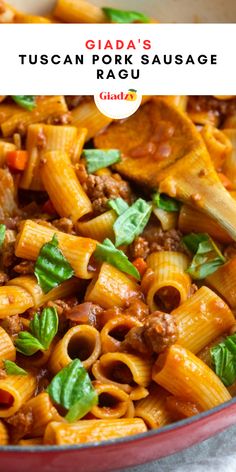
point(158, 332)
point(154, 239)
point(102, 188)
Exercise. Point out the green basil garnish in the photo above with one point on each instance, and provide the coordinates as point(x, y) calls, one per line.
point(99, 158)
point(27, 344)
point(119, 205)
point(161, 200)
point(109, 253)
point(25, 101)
point(51, 267)
point(132, 222)
point(12, 369)
point(72, 389)
point(207, 256)
point(123, 16)
point(43, 329)
point(223, 357)
point(2, 234)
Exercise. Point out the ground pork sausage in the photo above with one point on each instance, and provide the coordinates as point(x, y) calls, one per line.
point(101, 188)
point(154, 239)
point(158, 332)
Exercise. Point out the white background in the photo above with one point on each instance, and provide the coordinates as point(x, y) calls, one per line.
point(70, 39)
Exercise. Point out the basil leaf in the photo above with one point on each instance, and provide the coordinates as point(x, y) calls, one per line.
point(12, 369)
point(44, 327)
point(2, 234)
point(123, 16)
point(132, 222)
point(99, 158)
point(223, 357)
point(25, 101)
point(72, 389)
point(51, 267)
point(109, 253)
point(27, 344)
point(207, 257)
point(161, 200)
point(118, 205)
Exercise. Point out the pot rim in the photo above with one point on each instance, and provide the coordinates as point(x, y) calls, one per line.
point(128, 439)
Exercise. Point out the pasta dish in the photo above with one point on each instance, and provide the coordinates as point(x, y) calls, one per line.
point(118, 260)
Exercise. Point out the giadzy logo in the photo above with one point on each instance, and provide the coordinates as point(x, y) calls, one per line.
point(118, 104)
point(131, 95)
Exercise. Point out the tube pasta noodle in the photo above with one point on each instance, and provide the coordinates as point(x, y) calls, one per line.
point(24, 18)
point(170, 286)
point(42, 138)
point(119, 324)
point(100, 227)
point(43, 413)
point(113, 402)
point(92, 430)
point(29, 283)
point(167, 219)
point(4, 436)
point(130, 410)
point(7, 110)
point(111, 288)
point(46, 108)
point(8, 206)
point(14, 300)
point(142, 328)
point(88, 116)
point(118, 367)
point(39, 359)
point(178, 368)
point(78, 11)
point(138, 393)
point(81, 342)
point(77, 250)
point(199, 323)
point(80, 141)
point(223, 281)
point(4, 149)
point(152, 409)
point(63, 187)
point(19, 390)
point(178, 101)
point(7, 348)
point(217, 143)
point(192, 220)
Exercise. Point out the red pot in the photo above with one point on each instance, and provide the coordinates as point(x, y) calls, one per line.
point(115, 454)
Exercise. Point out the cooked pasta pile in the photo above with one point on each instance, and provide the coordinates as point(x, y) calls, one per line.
point(117, 259)
point(118, 266)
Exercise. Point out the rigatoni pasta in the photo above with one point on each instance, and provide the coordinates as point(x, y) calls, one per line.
point(111, 293)
point(78, 250)
point(63, 187)
point(178, 368)
point(92, 430)
point(171, 284)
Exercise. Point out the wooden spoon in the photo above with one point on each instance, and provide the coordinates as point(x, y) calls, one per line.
point(177, 161)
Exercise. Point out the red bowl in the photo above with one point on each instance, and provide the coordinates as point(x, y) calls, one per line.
point(115, 454)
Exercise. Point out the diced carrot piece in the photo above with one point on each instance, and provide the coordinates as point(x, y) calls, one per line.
point(140, 265)
point(17, 159)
